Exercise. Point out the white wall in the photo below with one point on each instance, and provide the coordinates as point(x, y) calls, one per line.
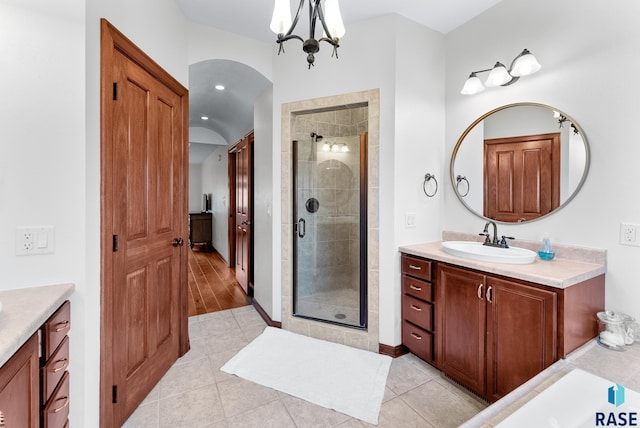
point(577, 43)
point(263, 184)
point(215, 180)
point(195, 187)
point(42, 151)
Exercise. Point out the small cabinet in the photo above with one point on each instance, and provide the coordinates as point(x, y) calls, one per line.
point(200, 229)
point(495, 333)
point(417, 307)
point(19, 388)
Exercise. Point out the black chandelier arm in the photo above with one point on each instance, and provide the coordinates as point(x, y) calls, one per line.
point(283, 38)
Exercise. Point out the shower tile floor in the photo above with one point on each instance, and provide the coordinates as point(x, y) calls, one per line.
point(340, 305)
point(195, 393)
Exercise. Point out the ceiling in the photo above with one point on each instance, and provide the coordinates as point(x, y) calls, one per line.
point(230, 111)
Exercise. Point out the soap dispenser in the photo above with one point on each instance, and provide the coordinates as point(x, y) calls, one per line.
point(546, 251)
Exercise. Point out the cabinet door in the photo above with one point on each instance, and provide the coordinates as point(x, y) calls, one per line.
point(521, 334)
point(19, 398)
point(461, 326)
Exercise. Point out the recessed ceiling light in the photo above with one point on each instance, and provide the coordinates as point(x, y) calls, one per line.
point(204, 117)
point(220, 87)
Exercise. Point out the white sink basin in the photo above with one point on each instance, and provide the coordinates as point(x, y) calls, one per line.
point(477, 251)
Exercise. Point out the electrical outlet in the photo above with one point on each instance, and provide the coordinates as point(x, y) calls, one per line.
point(34, 240)
point(629, 234)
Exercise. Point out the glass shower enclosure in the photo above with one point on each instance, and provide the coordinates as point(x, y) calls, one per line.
point(330, 229)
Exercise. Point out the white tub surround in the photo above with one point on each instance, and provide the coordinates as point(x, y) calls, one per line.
point(24, 311)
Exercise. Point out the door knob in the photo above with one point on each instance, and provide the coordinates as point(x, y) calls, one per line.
point(177, 242)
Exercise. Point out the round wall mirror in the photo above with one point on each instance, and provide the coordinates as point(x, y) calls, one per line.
point(519, 162)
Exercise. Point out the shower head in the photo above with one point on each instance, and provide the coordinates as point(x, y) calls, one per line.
point(316, 137)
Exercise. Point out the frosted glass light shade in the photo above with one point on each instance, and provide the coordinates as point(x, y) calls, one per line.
point(525, 64)
point(281, 19)
point(333, 18)
point(498, 76)
point(473, 85)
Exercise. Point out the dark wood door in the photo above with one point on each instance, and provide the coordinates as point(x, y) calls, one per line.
point(243, 168)
point(461, 326)
point(521, 177)
point(19, 393)
point(144, 230)
point(521, 334)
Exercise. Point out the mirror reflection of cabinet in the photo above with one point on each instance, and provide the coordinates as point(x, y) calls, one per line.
point(200, 229)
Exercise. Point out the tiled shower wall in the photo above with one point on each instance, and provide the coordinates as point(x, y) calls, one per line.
point(330, 251)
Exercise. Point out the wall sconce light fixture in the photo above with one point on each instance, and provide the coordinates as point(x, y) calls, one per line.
point(562, 119)
point(522, 65)
point(330, 19)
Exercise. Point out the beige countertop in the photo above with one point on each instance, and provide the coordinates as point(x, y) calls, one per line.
point(557, 273)
point(23, 313)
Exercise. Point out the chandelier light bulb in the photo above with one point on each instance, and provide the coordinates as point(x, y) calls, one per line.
point(333, 18)
point(281, 19)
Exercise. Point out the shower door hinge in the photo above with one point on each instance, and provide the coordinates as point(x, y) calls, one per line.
point(114, 394)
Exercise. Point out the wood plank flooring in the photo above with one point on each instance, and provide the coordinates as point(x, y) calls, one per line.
point(212, 284)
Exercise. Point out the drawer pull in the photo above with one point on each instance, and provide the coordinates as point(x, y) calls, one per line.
point(480, 291)
point(61, 408)
point(413, 287)
point(416, 336)
point(414, 267)
point(65, 364)
point(65, 326)
point(416, 308)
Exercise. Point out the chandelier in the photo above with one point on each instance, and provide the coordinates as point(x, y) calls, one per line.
point(329, 17)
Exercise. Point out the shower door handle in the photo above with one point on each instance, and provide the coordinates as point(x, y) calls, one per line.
point(301, 227)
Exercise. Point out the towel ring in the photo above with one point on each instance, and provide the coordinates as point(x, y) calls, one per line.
point(460, 178)
point(428, 177)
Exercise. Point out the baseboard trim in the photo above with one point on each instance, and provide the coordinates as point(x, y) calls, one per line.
point(265, 316)
point(392, 351)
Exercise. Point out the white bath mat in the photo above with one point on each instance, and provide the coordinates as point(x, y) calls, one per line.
point(349, 380)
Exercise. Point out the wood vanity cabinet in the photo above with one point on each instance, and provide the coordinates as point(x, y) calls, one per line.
point(19, 403)
point(494, 333)
point(54, 361)
point(417, 307)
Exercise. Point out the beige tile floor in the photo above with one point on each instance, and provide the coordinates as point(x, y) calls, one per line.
point(195, 393)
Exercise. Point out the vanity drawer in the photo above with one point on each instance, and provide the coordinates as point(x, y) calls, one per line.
point(416, 266)
point(54, 369)
point(55, 329)
point(418, 312)
point(417, 340)
point(56, 412)
point(417, 288)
